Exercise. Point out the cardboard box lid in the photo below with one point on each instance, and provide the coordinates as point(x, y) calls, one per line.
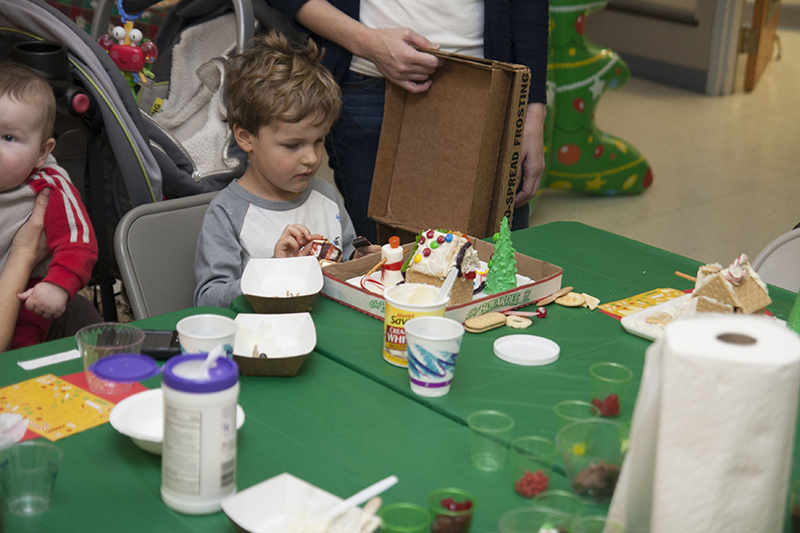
point(443, 154)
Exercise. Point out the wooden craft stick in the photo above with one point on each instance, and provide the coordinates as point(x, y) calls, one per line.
point(376, 267)
point(685, 276)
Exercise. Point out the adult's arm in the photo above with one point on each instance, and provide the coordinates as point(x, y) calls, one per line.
point(394, 51)
point(28, 248)
point(530, 21)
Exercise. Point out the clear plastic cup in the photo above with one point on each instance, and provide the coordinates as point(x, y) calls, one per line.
point(532, 460)
point(574, 410)
point(609, 387)
point(452, 510)
point(490, 432)
point(593, 451)
point(101, 340)
point(531, 519)
point(559, 500)
point(596, 524)
point(27, 476)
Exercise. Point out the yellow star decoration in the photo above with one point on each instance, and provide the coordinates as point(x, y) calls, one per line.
point(595, 184)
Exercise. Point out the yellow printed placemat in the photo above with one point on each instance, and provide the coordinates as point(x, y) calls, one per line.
point(54, 407)
point(636, 303)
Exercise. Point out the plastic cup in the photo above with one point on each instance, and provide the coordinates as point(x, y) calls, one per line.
point(433, 343)
point(101, 340)
point(560, 500)
point(452, 510)
point(531, 519)
point(490, 432)
point(27, 475)
point(404, 302)
point(203, 333)
point(404, 518)
point(596, 524)
point(593, 451)
point(532, 463)
point(609, 387)
point(573, 411)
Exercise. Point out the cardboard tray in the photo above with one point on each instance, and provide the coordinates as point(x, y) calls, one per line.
point(450, 157)
point(547, 280)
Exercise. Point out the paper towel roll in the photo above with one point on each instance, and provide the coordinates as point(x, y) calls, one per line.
point(713, 427)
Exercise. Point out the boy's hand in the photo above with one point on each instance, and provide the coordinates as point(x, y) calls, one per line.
point(46, 299)
point(366, 250)
point(293, 240)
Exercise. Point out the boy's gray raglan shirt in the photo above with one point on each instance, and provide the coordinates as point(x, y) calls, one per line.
point(239, 225)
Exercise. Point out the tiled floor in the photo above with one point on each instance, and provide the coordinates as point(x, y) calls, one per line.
point(726, 169)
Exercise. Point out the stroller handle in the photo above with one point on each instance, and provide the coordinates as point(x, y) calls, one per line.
point(243, 10)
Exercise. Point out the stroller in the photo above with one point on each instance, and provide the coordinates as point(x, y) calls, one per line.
point(125, 156)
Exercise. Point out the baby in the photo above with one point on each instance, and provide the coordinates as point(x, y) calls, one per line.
point(27, 117)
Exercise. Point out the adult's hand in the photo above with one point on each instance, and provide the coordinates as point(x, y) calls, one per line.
point(393, 50)
point(30, 241)
point(28, 247)
point(396, 52)
point(532, 153)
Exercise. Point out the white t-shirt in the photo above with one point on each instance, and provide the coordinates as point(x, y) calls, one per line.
point(455, 25)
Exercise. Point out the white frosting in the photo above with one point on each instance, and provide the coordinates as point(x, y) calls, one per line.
point(442, 257)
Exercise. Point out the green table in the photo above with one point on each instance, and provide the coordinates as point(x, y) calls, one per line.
point(328, 425)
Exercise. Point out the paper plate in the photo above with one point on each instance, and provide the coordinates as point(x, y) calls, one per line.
point(141, 417)
point(527, 350)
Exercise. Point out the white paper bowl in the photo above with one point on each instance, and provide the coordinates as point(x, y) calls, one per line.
point(286, 503)
point(282, 285)
point(286, 338)
point(141, 417)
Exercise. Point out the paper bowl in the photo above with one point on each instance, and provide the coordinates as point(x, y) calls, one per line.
point(284, 285)
point(281, 503)
point(287, 339)
point(141, 417)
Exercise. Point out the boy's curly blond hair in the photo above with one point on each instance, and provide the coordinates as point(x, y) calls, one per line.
point(24, 84)
point(276, 79)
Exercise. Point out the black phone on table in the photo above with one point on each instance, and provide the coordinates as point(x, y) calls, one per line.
point(161, 344)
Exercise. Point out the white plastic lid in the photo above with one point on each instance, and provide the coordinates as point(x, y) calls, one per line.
point(527, 350)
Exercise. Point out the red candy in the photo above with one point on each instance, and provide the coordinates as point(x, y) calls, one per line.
point(532, 484)
point(430, 234)
point(609, 406)
point(541, 312)
point(426, 252)
point(453, 524)
point(440, 239)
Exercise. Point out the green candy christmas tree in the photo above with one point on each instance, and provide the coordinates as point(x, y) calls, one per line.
point(502, 274)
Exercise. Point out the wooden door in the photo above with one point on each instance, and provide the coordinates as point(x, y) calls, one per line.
point(761, 40)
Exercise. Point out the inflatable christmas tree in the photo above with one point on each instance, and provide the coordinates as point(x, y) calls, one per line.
point(580, 157)
point(502, 274)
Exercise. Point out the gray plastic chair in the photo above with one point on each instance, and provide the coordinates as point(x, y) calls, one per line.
point(779, 262)
point(155, 247)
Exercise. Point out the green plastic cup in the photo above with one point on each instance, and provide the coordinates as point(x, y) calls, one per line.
point(404, 518)
point(531, 519)
point(559, 500)
point(531, 458)
point(596, 524)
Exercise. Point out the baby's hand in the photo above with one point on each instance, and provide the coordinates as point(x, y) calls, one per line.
point(293, 241)
point(46, 299)
point(367, 250)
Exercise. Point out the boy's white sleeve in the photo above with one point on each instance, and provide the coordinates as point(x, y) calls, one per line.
point(220, 259)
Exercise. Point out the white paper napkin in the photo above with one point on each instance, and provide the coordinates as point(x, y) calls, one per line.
point(12, 429)
point(712, 433)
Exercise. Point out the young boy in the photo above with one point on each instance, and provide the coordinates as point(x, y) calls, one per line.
point(27, 116)
point(281, 103)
